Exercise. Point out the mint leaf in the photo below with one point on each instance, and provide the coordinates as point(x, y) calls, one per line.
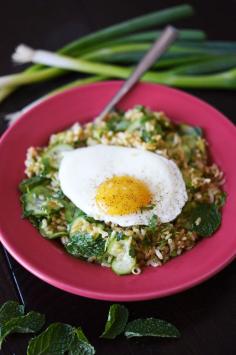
point(205, 219)
point(58, 339)
point(151, 327)
point(116, 321)
point(84, 245)
point(55, 340)
point(80, 344)
point(30, 323)
point(10, 309)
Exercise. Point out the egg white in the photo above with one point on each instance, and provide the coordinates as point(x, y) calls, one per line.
point(84, 169)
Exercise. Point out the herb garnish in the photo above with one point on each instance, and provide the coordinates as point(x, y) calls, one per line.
point(116, 321)
point(119, 236)
point(117, 124)
point(205, 219)
point(84, 245)
point(153, 224)
point(151, 327)
point(56, 339)
point(80, 344)
point(13, 320)
point(190, 130)
point(60, 338)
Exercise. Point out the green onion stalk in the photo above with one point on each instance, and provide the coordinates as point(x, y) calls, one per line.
point(151, 36)
point(192, 62)
point(158, 18)
point(61, 62)
point(88, 42)
point(24, 54)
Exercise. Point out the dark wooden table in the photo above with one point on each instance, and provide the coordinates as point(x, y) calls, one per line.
point(206, 314)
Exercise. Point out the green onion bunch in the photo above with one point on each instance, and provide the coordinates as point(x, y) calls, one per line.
point(192, 62)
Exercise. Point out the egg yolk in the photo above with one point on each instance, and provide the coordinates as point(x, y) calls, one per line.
point(121, 195)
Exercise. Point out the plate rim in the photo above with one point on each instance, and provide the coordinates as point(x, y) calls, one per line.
point(110, 296)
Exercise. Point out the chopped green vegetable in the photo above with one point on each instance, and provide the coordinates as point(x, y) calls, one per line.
point(153, 224)
point(80, 344)
point(151, 327)
point(126, 249)
point(49, 231)
point(55, 340)
point(13, 320)
point(124, 260)
point(69, 209)
point(205, 219)
point(116, 321)
point(40, 201)
point(78, 218)
point(28, 184)
point(80, 213)
point(117, 124)
point(190, 130)
point(54, 155)
point(146, 136)
point(83, 245)
point(119, 236)
point(75, 226)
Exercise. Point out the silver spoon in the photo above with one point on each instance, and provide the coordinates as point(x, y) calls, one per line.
point(160, 46)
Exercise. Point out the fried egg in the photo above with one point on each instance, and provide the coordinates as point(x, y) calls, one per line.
point(125, 186)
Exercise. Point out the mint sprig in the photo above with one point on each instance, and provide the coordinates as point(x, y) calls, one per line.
point(64, 339)
point(13, 320)
point(80, 344)
point(10, 309)
point(116, 321)
point(56, 339)
point(60, 339)
point(151, 327)
point(205, 219)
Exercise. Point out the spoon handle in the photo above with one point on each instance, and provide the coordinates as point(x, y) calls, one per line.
point(159, 47)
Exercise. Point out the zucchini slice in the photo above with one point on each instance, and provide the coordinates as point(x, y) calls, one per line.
point(123, 262)
point(40, 202)
point(75, 226)
point(79, 218)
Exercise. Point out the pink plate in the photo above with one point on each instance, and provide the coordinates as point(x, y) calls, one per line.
point(47, 259)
